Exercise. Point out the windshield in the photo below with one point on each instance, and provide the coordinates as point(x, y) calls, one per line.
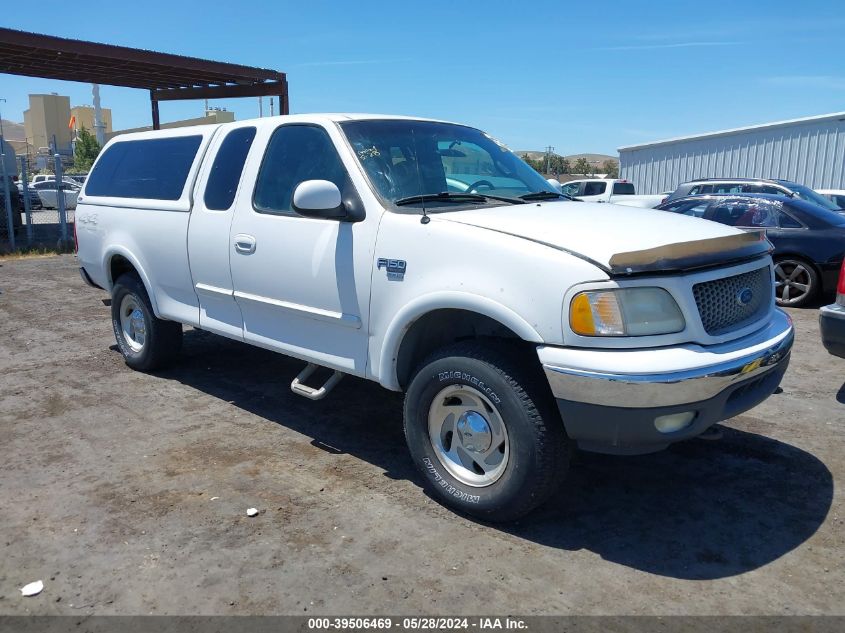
point(805, 193)
point(404, 159)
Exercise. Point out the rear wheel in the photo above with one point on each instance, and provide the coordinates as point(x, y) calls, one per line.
point(796, 282)
point(146, 342)
point(483, 430)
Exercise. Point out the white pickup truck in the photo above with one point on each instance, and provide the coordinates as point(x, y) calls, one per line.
point(611, 190)
point(427, 257)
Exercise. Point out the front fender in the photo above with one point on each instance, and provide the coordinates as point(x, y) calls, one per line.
point(418, 307)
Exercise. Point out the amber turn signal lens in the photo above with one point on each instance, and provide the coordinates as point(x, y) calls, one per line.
point(581, 316)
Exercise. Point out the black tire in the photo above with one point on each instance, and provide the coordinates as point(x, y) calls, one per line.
point(538, 449)
point(162, 339)
point(808, 276)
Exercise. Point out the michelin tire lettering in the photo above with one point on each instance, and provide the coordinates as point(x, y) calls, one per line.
point(447, 487)
point(475, 382)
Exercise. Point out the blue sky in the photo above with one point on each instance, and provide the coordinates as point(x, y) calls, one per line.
point(582, 78)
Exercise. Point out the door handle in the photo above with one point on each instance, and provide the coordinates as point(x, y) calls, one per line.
point(244, 244)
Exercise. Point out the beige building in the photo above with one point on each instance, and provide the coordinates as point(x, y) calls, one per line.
point(46, 122)
point(84, 116)
point(211, 117)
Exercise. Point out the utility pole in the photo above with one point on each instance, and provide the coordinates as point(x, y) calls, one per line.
point(549, 151)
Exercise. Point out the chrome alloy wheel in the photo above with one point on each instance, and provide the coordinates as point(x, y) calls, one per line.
point(132, 323)
point(468, 435)
point(793, 281)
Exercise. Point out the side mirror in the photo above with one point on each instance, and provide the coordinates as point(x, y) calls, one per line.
point(318, 199)
point(554, 182)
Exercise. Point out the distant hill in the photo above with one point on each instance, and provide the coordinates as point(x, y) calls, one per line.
point(593, 159)
point(13, 131)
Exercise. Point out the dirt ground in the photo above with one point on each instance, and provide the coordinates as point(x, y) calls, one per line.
point(127, 493)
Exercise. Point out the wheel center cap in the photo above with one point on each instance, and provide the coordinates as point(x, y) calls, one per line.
point(136, 319)
point(474, 432)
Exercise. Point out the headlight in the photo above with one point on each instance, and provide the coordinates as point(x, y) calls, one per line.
point(625, 312)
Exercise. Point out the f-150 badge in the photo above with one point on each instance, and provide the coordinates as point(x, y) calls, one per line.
point(396, 268)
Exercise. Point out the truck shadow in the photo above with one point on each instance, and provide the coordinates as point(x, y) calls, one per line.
point(699, 510)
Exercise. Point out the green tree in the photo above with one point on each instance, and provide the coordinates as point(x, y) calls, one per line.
point(611, 168)
point(85, 151)
point(581, 166)
point(536, 165)
point(559, 165)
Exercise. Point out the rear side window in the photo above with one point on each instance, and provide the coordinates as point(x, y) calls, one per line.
point(623, 188)
point(725, 188)
point(763, 189)
point(788, 222)
point(226, 171)
point(758, 214)
point(693, 208)
point(153, 169)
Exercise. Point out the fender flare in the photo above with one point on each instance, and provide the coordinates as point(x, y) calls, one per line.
point(412, 311)
point(115, 249)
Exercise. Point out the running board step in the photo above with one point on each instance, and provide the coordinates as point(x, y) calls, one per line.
point(310, 392)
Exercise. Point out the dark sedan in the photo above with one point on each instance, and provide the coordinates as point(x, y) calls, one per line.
point(34, 198)
point(809, 241)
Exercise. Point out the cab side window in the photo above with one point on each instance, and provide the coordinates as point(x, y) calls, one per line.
point(571, 189)
point(296, 153)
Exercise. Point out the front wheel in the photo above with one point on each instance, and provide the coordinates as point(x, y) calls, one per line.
point(483, 430)
point(146, 342)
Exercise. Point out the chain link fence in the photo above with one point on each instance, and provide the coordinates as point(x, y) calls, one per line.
point(37, 213)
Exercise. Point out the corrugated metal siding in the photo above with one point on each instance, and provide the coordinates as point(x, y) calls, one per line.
point(811, 153)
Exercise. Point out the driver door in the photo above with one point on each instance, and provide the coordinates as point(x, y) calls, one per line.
point(302, 284)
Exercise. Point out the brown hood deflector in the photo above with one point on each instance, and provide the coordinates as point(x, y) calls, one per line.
point(691, 255)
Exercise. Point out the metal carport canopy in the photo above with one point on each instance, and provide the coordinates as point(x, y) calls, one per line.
point(167, 77)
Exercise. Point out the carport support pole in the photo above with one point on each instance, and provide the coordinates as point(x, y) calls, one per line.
point(7, 196)
point(154, 106)
point(26, 206)
point(60, 198)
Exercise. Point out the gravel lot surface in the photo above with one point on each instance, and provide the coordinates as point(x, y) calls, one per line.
point(128, 493)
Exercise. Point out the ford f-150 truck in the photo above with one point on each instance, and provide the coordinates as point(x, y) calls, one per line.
point(612, 190)
point(427, 257)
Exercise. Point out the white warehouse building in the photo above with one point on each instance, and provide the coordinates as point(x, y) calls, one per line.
point(810, 151)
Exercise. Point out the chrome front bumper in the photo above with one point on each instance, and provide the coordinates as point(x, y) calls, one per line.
point(674, 376)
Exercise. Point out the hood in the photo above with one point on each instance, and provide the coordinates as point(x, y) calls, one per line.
point(618, 239)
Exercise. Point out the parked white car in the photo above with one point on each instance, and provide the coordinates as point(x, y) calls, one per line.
point(612, 190)
point(48, 192)
point(427, 257)
point(837, 196)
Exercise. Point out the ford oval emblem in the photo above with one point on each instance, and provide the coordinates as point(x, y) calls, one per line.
point(744, 296)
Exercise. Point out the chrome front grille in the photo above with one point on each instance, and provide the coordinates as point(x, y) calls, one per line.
point(722, 303)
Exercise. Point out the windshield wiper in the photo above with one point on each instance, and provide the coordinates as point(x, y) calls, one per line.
point(546, 195)
point(453, 196)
